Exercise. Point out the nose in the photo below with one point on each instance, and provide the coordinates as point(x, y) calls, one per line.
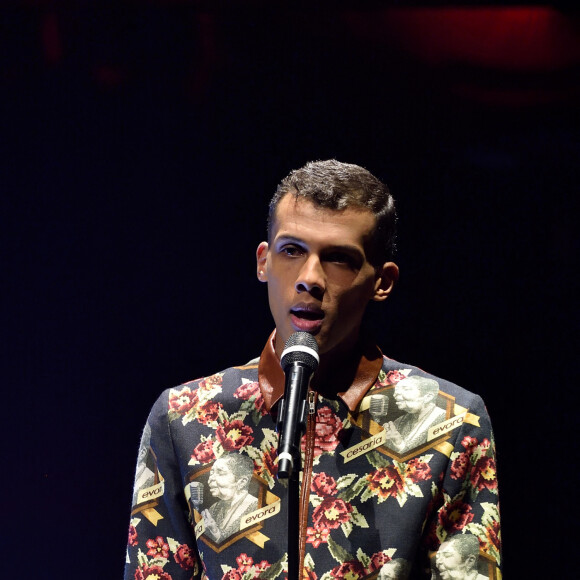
point(311, 277)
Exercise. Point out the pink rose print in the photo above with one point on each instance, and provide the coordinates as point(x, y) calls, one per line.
point(331, 513)
point(455, 516)
point(352, 570)
point(132, 536)
point(326, 435)
point(386, 482)
point(158, 547)
point(417, 470)
point(269, 458)
point(323, 485)
point(203, 452)
point(233, 436)
point(246, 568)
point(183, 401)
point(210, 383)
point(492, 535)
point(244, 562)
point(232, 575)
point(208, 412)
point(378, 560)
point(460, 465)
point(184, 557)
point(393, 377)
point(317, 536)
point(249, 390)
point(483, 475)
point(469, 442)
point(151, 573)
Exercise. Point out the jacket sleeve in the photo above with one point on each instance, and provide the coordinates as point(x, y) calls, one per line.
point(467, 503)
point(161, 542)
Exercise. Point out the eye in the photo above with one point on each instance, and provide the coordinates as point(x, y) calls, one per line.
point(291, 250)
point(343, 259)
point(338, 258)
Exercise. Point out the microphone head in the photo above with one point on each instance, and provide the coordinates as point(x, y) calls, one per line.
point(379, 407)
point(300, 347)
point(196, 490)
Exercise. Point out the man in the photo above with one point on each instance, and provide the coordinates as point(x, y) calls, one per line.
point(457, 558)
point(329, 253)
point(229, 479)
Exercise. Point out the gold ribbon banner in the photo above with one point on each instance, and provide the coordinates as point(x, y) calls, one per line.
point(445, 426)
point(364, 446)
point(258, 538)
point(470, 418)
point(259, 515)
point(364, 404)
point(199, 528)
point(152, 515)
point(149, 493)
point(445, 448)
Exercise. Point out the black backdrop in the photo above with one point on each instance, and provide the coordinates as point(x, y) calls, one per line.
point(140, 145)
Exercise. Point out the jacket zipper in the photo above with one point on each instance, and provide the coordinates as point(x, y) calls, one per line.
point(306, 476)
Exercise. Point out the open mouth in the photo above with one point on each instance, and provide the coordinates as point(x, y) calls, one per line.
point(307, 318)
point(308, 314)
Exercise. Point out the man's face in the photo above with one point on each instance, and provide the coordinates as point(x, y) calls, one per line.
point(319, 276)
point(222, 482)
point(408, 397)
point(450, 564)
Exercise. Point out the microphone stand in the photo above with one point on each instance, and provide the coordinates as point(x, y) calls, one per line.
point(299, 360)
point(293, 521)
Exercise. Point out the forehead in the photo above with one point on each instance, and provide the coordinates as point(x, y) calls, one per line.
point(406, 385)
point(222, 466)
point(298, 217)
point(447, 549)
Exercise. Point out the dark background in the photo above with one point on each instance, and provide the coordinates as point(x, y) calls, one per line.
point(139, 145)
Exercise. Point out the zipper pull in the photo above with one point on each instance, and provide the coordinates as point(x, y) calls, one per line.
point(311, 402)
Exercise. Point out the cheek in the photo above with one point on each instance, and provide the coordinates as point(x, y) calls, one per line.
point(353, 297)
point(279, 284)
point(341, 277)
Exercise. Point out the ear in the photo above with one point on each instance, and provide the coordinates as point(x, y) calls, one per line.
point(262, 262)
point(243, 483)
point(429, 397)
point(386, 278)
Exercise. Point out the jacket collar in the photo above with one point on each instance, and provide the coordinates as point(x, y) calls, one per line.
point(359, 380)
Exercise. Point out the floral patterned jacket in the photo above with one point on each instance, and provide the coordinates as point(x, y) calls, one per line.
point(208, 454)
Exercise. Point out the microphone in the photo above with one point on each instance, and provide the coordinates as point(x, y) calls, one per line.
point(299, 360)
point(196, 494)
point(379, 408)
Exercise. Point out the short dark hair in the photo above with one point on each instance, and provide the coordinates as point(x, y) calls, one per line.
point(334, 185)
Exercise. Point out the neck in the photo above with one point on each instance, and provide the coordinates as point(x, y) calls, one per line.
point(425, 411)
point(337, 370)
point(239, 495)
